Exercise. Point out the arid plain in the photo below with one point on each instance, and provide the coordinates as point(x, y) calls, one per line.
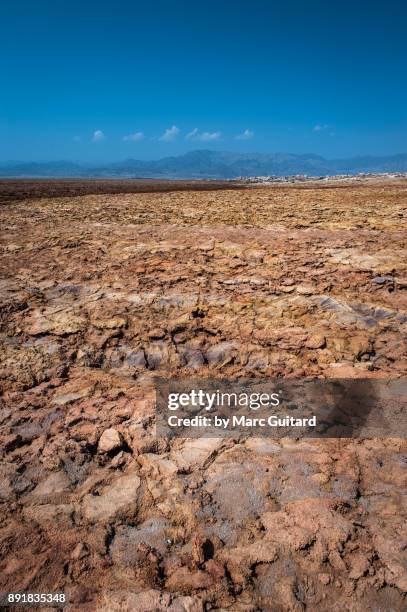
point(100, 293)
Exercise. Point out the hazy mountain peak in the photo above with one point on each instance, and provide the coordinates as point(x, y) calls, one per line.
point(205, 163)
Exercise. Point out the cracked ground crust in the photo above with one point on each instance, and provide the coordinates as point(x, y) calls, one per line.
point(99, 293)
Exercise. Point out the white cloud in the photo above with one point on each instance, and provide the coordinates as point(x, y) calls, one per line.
point(192, 135)
point(134, 137)
point(246, 135)
point(210, 136)
point(195, 134)
point(320, 128)
point(170, 134)
point(98, 135)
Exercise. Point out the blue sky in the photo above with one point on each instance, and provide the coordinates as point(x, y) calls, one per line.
point(104, 80)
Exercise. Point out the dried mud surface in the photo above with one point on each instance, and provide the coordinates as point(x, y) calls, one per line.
point(21, 189)
point(100, 293)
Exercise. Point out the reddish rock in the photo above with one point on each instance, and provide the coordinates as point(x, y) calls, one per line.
point(185, 580)
point(109, 441)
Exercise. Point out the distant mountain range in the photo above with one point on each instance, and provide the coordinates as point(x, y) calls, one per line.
point(204, 164)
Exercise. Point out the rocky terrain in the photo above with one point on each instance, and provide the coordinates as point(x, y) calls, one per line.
point(22, 189)
point(99, 294)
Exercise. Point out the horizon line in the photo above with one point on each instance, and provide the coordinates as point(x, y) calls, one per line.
point(254, 153)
